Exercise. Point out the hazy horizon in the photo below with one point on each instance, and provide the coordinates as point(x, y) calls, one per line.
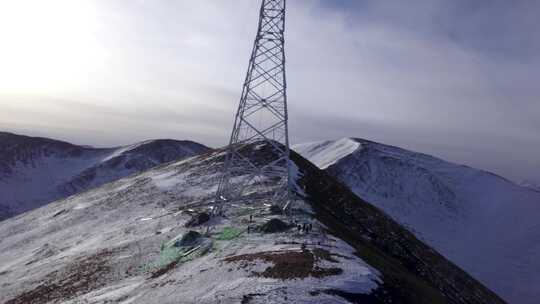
point(454, 79)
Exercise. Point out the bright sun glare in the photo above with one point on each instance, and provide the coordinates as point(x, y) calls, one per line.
point(47, 45)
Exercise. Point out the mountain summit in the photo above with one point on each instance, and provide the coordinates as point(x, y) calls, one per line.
point(482, 222)
point(35, 171)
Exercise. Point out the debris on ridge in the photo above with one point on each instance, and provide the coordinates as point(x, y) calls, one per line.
point(275, 209)
point(274, 226)
point(190, 239)
point(198, 219)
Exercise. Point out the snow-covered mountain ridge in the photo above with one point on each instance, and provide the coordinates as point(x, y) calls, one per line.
point(531, 185)
point(35, 171)
point(482, 222)
point(130, 242)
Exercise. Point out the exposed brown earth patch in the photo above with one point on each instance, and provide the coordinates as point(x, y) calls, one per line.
point(82, 276)
point(158, 273)
point(288, 265)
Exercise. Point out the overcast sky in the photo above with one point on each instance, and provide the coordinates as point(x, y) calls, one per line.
point(456, 79)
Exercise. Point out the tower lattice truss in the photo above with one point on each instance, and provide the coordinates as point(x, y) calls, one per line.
point(257, 159)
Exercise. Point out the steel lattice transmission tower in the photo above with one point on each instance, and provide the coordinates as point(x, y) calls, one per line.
point(259, 144)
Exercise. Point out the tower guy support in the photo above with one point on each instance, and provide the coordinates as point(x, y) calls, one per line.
point(258, 152)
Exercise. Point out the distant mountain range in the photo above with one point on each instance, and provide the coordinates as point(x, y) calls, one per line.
point(134, 241)
point(484, 223)
point(35, 171)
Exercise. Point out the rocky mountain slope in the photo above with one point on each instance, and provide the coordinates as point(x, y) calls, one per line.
point(140, 240)
point(482, 222)
point(35, 171)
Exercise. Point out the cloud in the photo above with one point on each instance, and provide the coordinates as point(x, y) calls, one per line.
point(452, 78)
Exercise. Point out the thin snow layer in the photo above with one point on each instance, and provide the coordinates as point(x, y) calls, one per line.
point(106, 244)
point(123, 150)
point(51, 177)
point(33, 184)
point(325, 154)
point(485, 224)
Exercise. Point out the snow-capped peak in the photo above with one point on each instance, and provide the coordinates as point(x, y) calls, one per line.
point(326, 153)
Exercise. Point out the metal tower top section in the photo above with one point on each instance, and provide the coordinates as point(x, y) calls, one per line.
point(262, 118)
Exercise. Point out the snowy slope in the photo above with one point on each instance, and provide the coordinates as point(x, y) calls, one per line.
point(324, 154)
point(111, 245)
point(482, 222)
point(35, 171)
